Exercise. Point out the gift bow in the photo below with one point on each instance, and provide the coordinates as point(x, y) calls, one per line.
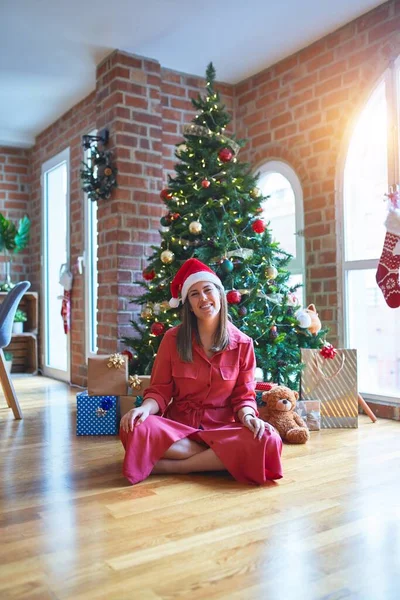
point(116, 361)
point(328, 351)
point(134, 382)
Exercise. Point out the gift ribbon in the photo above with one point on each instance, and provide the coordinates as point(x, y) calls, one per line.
point(134, 382)
point(328, 377)
point(116, 361)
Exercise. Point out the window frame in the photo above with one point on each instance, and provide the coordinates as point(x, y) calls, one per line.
point(391, 77)
point(89, 269)
point(297, 265)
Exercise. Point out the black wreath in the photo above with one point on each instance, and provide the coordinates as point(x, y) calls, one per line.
point(99, 176)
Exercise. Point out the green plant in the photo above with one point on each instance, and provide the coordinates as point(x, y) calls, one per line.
point(13, 239)
point(20, 316)
point(8, 356)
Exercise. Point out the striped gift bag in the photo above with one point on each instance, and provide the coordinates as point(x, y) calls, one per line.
point(334, 383)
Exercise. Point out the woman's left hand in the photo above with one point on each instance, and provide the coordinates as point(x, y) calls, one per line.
point(257, 426)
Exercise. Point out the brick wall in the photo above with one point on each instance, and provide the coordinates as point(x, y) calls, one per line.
point(301, 111)
point(14, 202)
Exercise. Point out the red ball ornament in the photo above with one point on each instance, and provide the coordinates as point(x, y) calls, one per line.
point(258, 226)
point(127, 353)
point(173, 216)
point(225, 155)
point(233, 297)
point(165, 194)
point(205, 183)
point(157, 328)
point(149, 275)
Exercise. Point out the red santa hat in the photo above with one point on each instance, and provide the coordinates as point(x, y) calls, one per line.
point(192, 271)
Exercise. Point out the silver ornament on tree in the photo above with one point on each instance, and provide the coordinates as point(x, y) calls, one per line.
point(147, 312)
point(167, 257)
point(195, 227)
point(181, 149)
point(255, 192)
point(271, 272)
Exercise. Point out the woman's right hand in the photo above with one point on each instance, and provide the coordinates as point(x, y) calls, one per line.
point(134, 418)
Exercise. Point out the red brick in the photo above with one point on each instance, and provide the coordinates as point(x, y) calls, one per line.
point(285, 131)
point(320, 61)
point(384, 29)
point(136, 102)
point(282, 119)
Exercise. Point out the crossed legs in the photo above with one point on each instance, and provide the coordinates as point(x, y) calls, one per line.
point(188, 456)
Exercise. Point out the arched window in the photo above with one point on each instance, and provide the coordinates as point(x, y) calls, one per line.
point(372, 164)
point(284, 211)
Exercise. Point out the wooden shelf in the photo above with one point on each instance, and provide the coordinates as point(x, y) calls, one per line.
point(24, 346)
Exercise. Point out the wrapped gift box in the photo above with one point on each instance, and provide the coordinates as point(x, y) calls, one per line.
point(128, 402)
point(310, 412)
point(137, 384)
point(96, 415)
point(108, 375)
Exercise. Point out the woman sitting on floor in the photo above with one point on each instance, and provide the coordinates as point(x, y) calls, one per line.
point(207, 366)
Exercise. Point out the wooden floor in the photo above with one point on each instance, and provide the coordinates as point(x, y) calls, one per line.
point(72, 528)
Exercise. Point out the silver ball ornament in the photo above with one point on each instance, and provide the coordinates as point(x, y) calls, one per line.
point(271, 272)
point(195, 227)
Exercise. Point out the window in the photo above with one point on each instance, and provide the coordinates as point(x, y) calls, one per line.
point(55, 256)
point(284, 211)
point(91, 274)
point(371, 166)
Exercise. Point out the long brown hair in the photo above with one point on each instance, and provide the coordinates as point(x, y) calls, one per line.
point(189, 326)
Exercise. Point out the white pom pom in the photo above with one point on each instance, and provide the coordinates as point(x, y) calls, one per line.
point(174, 303)
point(303, 319)
point(259, 374)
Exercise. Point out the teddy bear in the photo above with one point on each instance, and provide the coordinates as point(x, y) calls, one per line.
point(279, 407)
point(308, 319)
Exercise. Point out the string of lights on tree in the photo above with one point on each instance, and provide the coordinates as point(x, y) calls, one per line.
point(216, 212)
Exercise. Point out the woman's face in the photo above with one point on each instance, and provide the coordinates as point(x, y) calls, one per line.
point(204, 300)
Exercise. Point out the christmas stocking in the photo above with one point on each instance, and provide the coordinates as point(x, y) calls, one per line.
point(66, 310)
point(388, 273)
point(66, 280)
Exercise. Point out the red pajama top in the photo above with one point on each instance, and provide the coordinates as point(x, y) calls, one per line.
point(207, 392)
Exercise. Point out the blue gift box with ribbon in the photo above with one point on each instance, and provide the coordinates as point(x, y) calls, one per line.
point(96, 415)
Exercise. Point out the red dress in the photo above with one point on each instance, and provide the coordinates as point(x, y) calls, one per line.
point(207, 395)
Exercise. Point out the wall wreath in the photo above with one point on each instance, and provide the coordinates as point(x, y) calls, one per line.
point(98, 175)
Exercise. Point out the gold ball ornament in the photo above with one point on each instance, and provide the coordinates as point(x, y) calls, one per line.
point(167, 257)
point(195, 227)
point(181, 148)
point(255, 192)
point(164, 305)
point(107, 172)
point(146, 313)
point(271, 272)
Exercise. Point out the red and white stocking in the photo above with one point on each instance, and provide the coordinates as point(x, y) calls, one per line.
point(388, 273)
point(66, 310)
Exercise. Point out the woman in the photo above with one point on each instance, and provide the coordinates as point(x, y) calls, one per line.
point(206, 365)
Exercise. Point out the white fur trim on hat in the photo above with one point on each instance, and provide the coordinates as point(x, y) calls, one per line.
point(393, 221)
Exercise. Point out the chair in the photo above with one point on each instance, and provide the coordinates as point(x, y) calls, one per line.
point(7, 312)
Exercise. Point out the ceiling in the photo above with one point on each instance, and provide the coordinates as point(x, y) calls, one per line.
point(49, 50)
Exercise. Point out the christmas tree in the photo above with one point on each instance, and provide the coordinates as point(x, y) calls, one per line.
point(213, 213)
